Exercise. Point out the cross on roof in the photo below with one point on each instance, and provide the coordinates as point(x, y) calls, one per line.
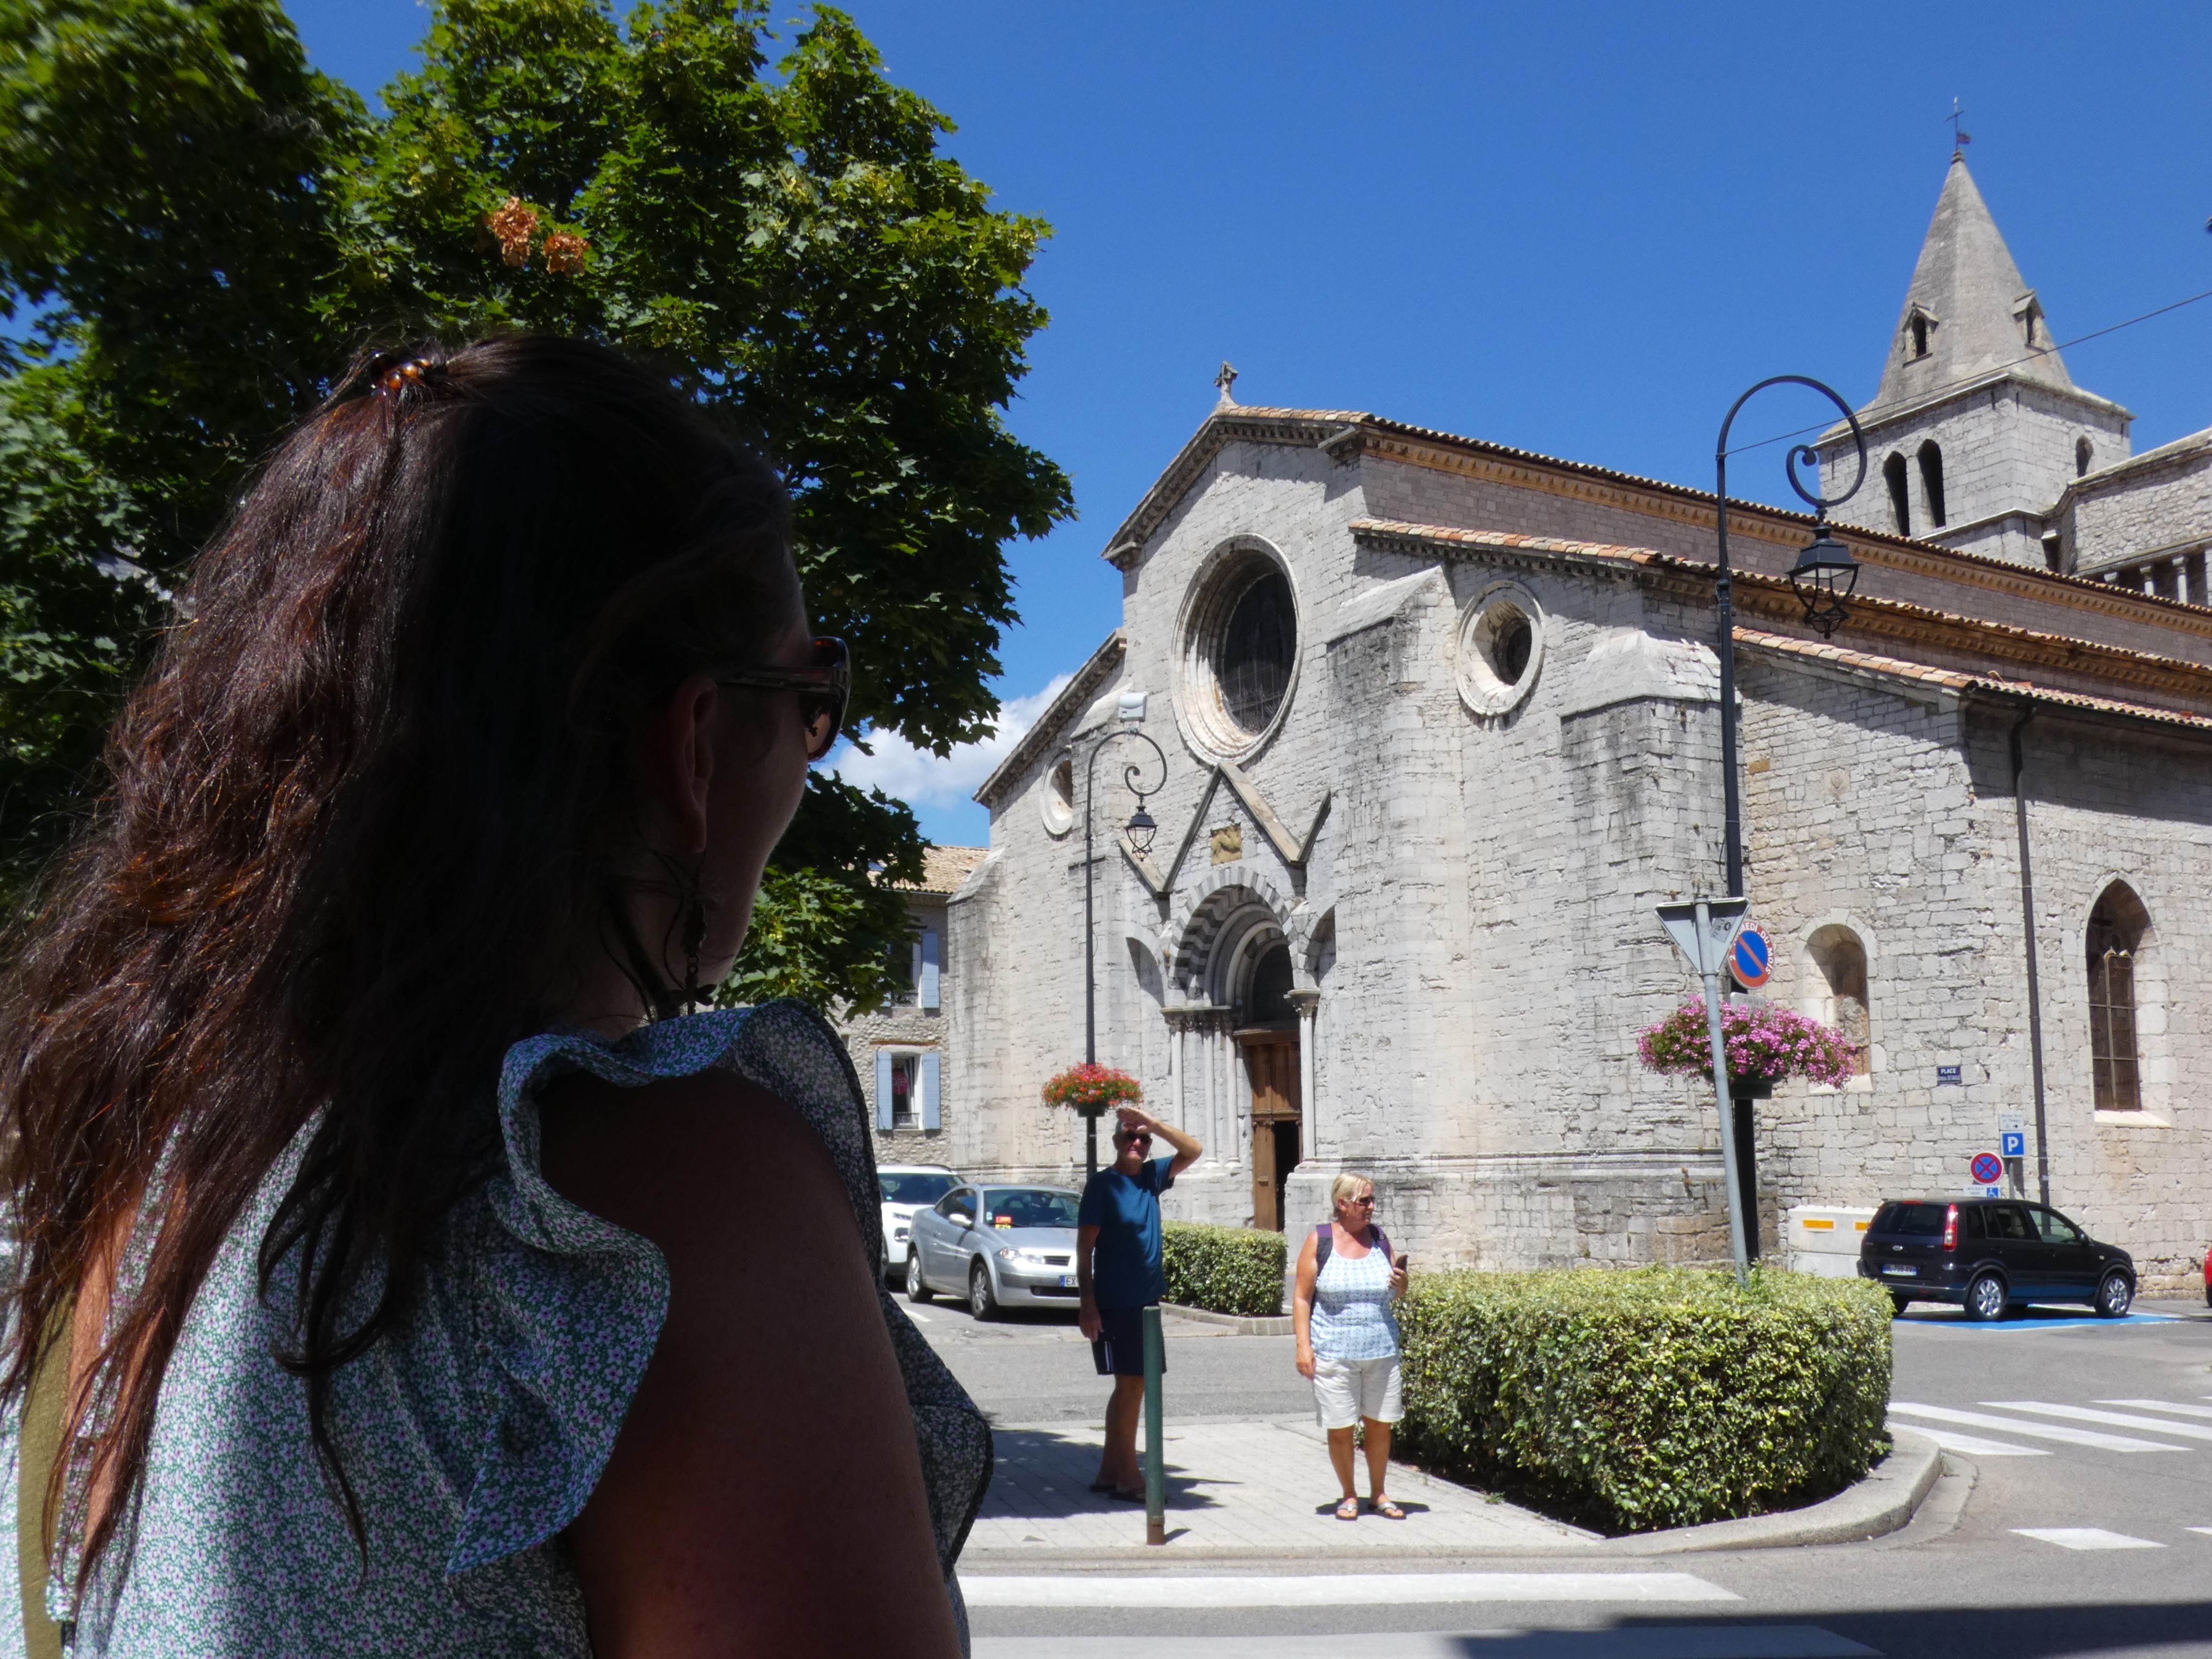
point(1226, 379)
point(1960, 140)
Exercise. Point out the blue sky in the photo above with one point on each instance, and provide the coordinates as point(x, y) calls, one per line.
point(1578, 228)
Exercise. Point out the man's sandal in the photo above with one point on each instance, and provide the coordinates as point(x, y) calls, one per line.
point(1386, 1508)
point(1348, 1510)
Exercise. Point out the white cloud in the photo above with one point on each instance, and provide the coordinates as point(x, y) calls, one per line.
point(921, 779)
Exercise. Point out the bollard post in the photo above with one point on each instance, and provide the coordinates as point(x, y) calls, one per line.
point(1156, 1473)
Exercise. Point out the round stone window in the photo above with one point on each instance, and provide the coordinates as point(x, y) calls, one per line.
point(1501, 648)
point(1056, 800)
point(1240, 650)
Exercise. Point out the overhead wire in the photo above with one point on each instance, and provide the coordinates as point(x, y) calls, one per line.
point(2027, 357)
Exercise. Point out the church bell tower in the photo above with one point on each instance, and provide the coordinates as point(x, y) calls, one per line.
point(1977, 427)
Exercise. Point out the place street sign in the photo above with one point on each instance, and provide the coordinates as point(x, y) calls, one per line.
point(1751, 959)
point(1987, 1169)
point(1948, 1074)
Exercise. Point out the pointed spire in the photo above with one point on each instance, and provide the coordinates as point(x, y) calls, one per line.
point(1967, 313)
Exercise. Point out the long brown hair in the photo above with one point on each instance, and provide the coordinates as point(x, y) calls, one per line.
point(366, 809)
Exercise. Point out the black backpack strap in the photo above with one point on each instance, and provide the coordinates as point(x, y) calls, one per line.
point(1324, 1242)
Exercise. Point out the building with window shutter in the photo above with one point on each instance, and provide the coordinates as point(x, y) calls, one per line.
point(1441, 720)
point(899, 1051)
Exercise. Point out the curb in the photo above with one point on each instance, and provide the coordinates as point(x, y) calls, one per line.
point(1888, 1497)
point(1885, 1501)
point(1243, 1325)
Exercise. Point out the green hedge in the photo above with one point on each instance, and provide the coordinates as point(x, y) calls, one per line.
point(1656, 1397)
point(1232, 1270)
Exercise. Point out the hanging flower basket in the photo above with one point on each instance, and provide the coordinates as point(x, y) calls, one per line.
point(1089, 1091)
point(1765, 1045)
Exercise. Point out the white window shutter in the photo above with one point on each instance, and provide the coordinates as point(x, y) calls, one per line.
point(931, 955)
point(883, 1089)
point(931, 1118)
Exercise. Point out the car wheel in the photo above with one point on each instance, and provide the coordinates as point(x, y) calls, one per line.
point(982, 1302)
point(915, 1290)
point(2114, 1297)
point(1985, 1298)
point(1900, 1303)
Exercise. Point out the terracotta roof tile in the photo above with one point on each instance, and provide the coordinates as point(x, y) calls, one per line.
point(944, 868)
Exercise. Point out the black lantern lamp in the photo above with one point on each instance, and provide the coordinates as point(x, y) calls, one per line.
point(1823, 579)
point(1141, 829)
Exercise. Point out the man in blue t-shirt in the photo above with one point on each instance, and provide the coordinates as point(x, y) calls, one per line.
point(1117, 1263)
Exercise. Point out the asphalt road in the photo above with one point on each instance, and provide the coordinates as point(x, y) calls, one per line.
point(2067, 1525)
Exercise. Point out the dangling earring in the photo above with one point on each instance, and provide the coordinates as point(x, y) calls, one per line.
point(695, 935)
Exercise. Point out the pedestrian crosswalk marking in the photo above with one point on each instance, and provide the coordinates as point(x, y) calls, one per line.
point(1332, 1589)
point(2121, 1419)
point(2118, 1443)
point(2206, 1530)
point(2087, 1538)
point(1971, 1445)
point(2161, 1406)
point(1669, 1641)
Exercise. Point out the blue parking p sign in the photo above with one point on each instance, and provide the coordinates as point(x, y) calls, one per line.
point(2015, 1144)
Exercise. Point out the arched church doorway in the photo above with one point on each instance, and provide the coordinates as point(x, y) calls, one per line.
point(1267, 1035)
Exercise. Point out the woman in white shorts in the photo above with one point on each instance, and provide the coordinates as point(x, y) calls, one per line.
point(1348, 1336)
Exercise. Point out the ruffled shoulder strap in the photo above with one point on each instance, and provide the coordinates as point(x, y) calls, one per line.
point(569, 1306)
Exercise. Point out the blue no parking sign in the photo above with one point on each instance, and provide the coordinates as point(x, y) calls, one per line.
point(1987, 1169)
point(1751, 959)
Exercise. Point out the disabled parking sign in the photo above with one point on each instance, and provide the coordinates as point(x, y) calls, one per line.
point(1987, 1169)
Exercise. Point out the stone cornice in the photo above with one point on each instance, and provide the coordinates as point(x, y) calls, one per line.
point(1349, 435)
point(1771, 599)
point(1073, 699)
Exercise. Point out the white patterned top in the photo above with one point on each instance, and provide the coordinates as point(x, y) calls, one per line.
point(1351, 1316)
point(474, 1435)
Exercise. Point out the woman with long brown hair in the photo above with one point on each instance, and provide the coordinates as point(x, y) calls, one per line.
point(393, 1275)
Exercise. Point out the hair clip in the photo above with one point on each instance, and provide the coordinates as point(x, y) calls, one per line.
point(404, 376)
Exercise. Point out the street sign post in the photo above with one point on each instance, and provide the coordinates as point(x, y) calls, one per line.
point(1987, 1169)
point(1705, 930)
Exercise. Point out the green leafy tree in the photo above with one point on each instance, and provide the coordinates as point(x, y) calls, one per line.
point(197, 232)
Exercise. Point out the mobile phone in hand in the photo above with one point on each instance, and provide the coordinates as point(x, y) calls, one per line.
point(1400, 1264)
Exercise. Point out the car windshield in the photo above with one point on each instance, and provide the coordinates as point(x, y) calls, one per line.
point(913, 1187)
point(1030, 1206)
point(1912, 1218)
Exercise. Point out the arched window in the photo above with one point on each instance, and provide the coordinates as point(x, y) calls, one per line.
point(1840, 959)
point(1919, 337)
point(2117, 927)
point(1931, 482)
point(2084, 453)
point(1900, 500)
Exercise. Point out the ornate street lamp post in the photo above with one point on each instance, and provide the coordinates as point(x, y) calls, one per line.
point(1823, 579)
point(1140, 829)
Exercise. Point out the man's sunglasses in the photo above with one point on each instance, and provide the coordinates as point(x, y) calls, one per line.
point(1134, 1141)
point(824, 690)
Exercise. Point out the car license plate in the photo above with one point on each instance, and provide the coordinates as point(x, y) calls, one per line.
point(1900, 1272)
point(1067, 1281)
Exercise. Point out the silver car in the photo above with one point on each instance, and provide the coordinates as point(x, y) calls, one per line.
point(1002, 1247)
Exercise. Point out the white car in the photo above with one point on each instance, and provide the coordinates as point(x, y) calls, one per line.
point(907, 1188)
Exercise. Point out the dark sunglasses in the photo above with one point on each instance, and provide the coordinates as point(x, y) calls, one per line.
point(824, 690)
point(1134, 1141)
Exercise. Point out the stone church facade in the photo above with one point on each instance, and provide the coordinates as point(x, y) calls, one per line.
point(1440, 721)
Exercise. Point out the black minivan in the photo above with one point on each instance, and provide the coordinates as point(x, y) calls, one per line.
point(1988, 1254)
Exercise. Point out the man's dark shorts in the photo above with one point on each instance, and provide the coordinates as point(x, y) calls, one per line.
point(1119, 1349)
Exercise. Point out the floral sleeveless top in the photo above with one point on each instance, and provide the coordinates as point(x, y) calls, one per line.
point(474, 1435)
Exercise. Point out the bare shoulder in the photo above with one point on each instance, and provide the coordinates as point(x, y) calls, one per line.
point(765, 1493)
point(667, 1158)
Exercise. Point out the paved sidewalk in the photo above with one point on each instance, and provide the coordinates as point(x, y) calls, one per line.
point(1256, 1489)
